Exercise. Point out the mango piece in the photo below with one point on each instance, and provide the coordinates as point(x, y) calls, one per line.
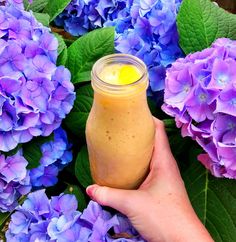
point(119, 74)
point(128, 74)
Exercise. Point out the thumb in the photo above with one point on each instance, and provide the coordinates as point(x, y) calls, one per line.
point(116, 198)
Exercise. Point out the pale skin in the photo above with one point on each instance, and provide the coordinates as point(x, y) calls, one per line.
point(160, 209)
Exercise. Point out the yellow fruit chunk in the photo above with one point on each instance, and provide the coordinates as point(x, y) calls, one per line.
point(118, 74)
point(128, 74)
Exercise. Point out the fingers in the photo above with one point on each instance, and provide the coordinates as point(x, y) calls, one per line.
point(162, 158)
point(161, 139)
point(115, 198)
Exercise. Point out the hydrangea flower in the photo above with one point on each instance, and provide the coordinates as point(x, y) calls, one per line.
point(144, 28)
point(57, 219)
point(152, 36)
point(35, 94)
point(56, 154)
point(81, 16)
point(14, 181)
point(201, 94)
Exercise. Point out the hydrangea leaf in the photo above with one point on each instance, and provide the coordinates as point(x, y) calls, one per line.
point(43, 18)
point(85, 51)
point(76, 119)
point(213, 199)
point(82, 76)
point(62, 58)
point(3, 218)
point(200, 22)
point(82, 168)
point(32, 151)
point(36, 5)
point(55, 7)
point(75, 190)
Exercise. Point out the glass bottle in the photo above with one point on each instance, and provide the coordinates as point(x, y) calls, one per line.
point(120, 129)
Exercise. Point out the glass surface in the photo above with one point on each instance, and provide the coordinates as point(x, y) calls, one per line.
point(120, 129)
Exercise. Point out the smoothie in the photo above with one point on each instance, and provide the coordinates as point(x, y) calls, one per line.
point(120, 129)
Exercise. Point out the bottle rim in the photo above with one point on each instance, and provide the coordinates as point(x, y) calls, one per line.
point(98, 83)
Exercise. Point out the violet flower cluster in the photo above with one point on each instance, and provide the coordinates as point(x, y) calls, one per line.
point(16, 180)
point(144, 28)
point(56, 154)
point(201, 94)
point(57, 219)
point(35, 94)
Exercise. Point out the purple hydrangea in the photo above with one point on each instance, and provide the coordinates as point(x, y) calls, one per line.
point(57, 219)
point(144, 28)
point(14, 181)
point(35, 94)
point(56, 154)
point(17, 3)
point(201, 94)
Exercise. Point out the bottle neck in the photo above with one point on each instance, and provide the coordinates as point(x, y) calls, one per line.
point(100, 85)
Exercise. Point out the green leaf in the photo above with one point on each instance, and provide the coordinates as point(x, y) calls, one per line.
point(85, 51)
point(61, 43)
point(200, 22)
point(62, 58)
point(26, 4)
point(76, 119)
point(36, 5)
point(55, 7)
point(42, 18)
point(169, 123)
point(3, 218)
point(32, 151)
point(82, 168)
point(75, 190)
point(213, 200)
point(82, 77)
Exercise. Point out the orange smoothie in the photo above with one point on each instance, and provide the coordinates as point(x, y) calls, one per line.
point(120, 129)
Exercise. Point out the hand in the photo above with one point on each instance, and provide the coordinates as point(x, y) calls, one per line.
point(160, 209)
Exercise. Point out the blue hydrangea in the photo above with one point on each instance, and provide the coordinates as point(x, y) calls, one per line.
point(81, 16)
point(144, 28)
point(57, 219)
point(35, 94)
point(56, 154)
point(152, 36)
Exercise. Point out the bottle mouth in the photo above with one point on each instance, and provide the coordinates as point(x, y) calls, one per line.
point(126, 59)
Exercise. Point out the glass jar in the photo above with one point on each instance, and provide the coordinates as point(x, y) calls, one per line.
point(120, 129)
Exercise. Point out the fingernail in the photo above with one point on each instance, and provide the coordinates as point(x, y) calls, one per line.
point(90, 190)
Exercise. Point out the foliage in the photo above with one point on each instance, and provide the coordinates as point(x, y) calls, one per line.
point(201, 22)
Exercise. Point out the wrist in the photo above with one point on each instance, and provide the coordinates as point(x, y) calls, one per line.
point(190, 230)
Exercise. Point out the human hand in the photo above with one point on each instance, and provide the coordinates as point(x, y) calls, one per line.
point(160, 209)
